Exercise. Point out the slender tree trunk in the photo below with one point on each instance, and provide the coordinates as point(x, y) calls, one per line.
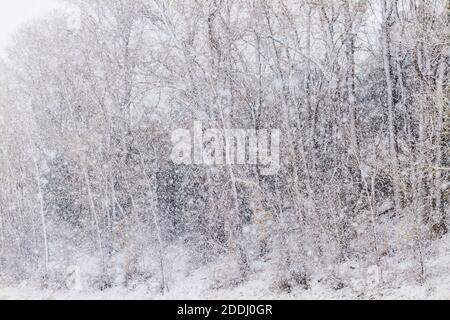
point(95, 216)
point(440, 104)
point(386, 45)
point(42, 213)
point(350, 78)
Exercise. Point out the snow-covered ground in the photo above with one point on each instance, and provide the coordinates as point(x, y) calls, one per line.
point(200, 285)
point(254, 289)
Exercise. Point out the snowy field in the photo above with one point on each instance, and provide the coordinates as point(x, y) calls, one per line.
point(258, 286)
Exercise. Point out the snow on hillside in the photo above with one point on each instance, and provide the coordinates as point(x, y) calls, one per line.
point(198, 286)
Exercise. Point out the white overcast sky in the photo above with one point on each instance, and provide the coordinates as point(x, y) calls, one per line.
point(14, 13)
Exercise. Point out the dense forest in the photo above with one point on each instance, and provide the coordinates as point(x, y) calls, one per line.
point(359, 89)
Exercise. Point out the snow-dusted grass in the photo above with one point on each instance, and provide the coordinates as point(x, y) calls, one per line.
point(203, 284)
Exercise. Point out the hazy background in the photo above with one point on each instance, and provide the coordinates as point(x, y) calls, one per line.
point(14, 13)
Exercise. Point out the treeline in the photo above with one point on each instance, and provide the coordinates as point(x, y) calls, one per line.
point(359, 90)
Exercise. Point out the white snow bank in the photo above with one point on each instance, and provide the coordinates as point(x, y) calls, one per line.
point(200, 285)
